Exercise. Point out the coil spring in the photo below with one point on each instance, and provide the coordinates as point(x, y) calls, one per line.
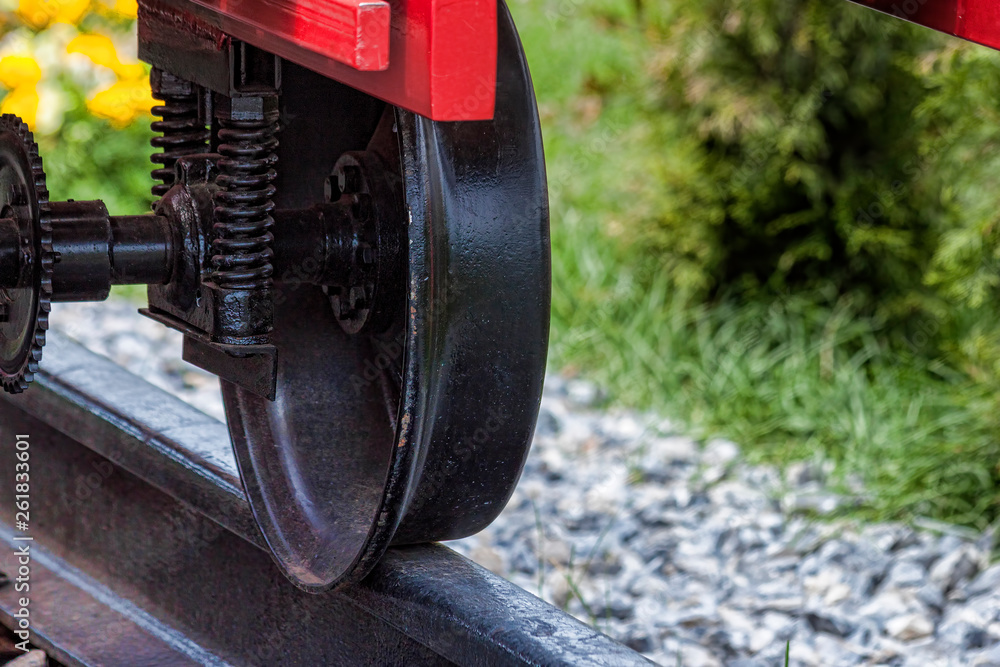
point(243, 205)
point(179, 133)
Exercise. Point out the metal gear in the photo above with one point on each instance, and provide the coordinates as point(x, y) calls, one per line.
point(24, 309)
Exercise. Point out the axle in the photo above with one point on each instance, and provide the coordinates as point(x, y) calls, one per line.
point(94, 250)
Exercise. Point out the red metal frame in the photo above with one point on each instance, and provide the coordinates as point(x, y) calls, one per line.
point(975, 20)
point(441, 54)
point(354, 32)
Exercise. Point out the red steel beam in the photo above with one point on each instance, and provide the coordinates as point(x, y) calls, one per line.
point(353, 32)
point(975, 20)
point(441, 54)
point(442, 60)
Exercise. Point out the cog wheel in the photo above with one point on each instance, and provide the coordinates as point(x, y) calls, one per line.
point(25, 307)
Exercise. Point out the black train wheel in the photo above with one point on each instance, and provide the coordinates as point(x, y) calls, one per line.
point(420, 433)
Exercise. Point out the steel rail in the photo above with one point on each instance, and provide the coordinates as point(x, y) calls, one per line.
point(144, 552)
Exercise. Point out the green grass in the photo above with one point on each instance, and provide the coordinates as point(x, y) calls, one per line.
point(792, 378)
point(786, 379)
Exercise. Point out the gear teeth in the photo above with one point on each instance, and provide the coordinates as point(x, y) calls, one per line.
point(17, 382)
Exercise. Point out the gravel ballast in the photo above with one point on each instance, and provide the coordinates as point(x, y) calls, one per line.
point(679, 548)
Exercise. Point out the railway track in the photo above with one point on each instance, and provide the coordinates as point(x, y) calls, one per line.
point(144, 551)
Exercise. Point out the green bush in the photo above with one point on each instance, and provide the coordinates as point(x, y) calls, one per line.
point(88, 158)
point(809, 163)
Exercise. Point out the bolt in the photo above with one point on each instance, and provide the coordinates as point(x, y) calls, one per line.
point(248, 107)
point(193, 170)
point(167, 83)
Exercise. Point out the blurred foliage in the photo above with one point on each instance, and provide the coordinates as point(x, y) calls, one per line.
point(827, 149)
point(808, 165)
point(822, 140)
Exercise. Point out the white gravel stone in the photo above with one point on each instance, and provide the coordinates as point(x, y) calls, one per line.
point(953, 567)
point(909, 627)
point(720, 453)
point(987, 582)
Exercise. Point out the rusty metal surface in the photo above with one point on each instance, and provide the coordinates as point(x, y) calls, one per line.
point(139, 520)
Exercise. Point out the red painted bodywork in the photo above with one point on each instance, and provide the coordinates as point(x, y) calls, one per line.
point(442, 54)
point(975, 20)
point(353, 32)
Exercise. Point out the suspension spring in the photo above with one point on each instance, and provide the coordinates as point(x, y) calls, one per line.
point(243, 204)
point(180, 132)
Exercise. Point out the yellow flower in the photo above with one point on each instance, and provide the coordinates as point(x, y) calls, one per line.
point(40, 14)
point(20, 74)
point(22, 102)
point(127, 99)
point(101, 51)
point(126, 8)
point(123, 102)
point(18, 71)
